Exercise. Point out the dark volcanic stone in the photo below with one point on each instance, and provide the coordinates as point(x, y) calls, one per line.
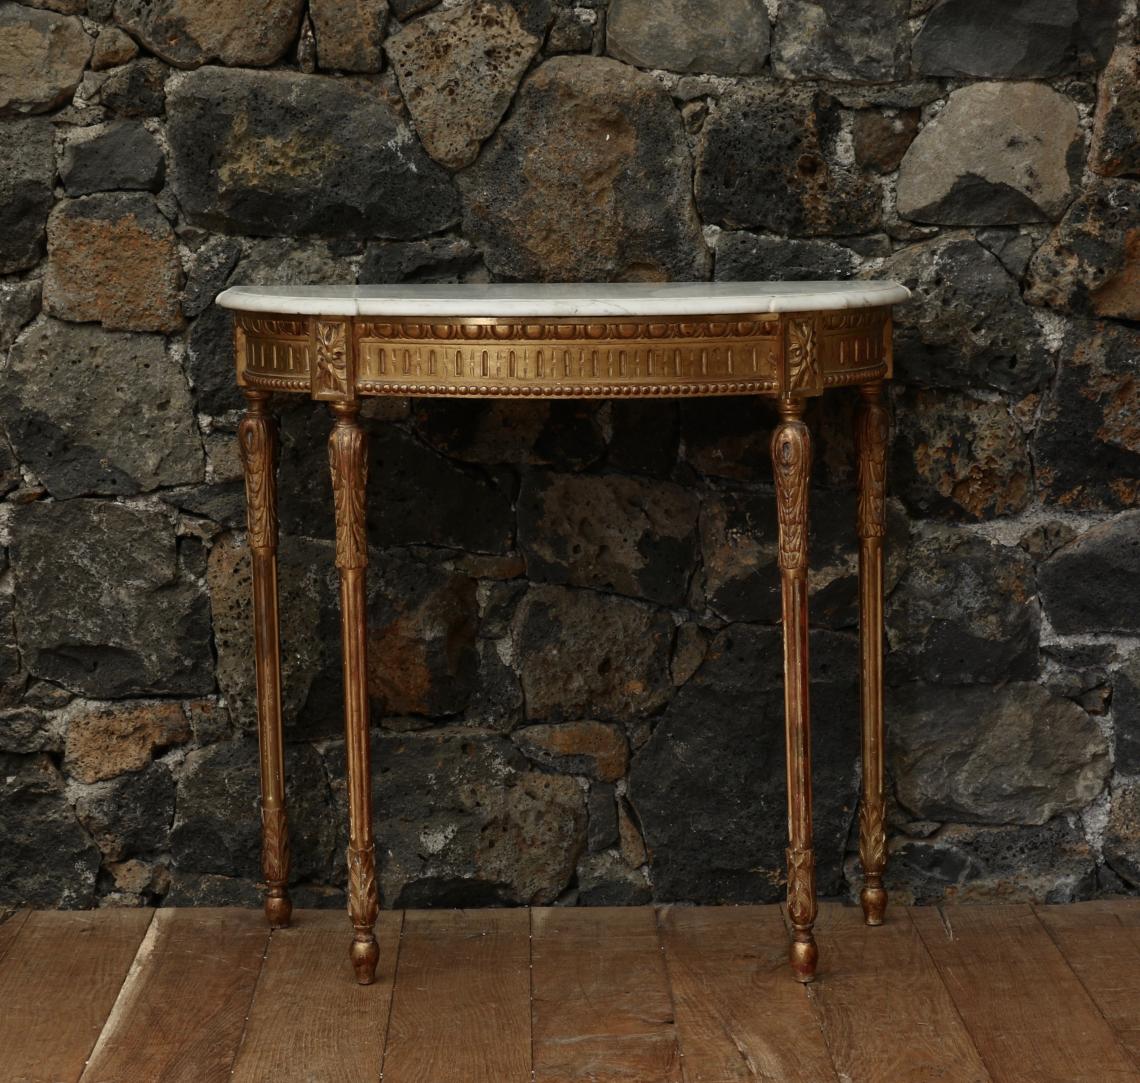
point(27, 168)
point(744, 257)
point(188, 33)
point(436, 259)
point(615, 533)
point(209, 268)
point(587, 655)
point(643, 437)
point(564, 434)
point(725, 37)
point(605, 879)
point(603, 817)
point(1087, 444)
point(112, 258)
point(1090, 585)
point(94, 411)
point(349, 33)
point(108, 602)
point(959, 456)
point(964, 612)
point(131, 814)
point(123, 156)
point(1122, 839)
point(19, 305)
point(46, 858)
point(975, 753)
point(965, 325)
point(767, 158)
point(458, 70)
point(466, 509)
point(137, 89)
point(1116, 131)
point(997, 154)
point(881, 139)
point(1052, 863)
point(739, 545)
point(1090, 263)
point(709, 785)
point(860, 40)
point(42, 57)
point(282, 153)
point(462, 820)
point(23, 729)
point(588, 178)
point(1037, 39)
point(217, 827)
point(1126, 715)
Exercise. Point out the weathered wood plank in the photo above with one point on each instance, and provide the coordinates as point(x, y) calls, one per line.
point(1104, 953)
point(461, 1006)
point(310, 1019)
point(11, 922)
point(601, 1010)
point(884, 1011)
point(740, 1015)
point(182, 1009)
point(1029, 1016)
point(58, 984)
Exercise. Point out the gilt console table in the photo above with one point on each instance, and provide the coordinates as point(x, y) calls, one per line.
point(784, 340)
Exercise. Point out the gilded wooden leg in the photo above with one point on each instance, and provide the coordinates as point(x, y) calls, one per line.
point(871, 446)
point(257, 440)
point(791, 464)
point(347, 450)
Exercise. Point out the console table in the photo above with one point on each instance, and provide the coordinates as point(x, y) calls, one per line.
point(785, 340)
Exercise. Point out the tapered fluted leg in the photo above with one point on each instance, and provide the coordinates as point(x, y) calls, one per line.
point(257, 440)
point(791, 464)
point(871, 448)
point(347, 451)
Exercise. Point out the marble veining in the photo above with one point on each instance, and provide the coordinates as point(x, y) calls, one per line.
point(563, 299)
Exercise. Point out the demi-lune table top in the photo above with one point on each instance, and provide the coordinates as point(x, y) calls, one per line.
point(563, 299)
point(571, 340)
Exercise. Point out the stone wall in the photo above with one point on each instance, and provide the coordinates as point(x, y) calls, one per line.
point(575, 653)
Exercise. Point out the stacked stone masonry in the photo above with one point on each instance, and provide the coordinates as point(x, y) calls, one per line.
point(575, 657)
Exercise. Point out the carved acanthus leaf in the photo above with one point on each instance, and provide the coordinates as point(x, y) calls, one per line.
point(872, 430)
point(872, 838)
point(349, 467)
point(791, 464)
point(274, 846)
point(801, 887)
point(257, 443)
point(363, 898)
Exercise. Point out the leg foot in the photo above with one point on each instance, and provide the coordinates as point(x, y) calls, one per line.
point(874, 903)
point(804, 957)
point(278, 911)
point(365, 954)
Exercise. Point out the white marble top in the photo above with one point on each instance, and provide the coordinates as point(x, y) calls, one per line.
point(562, 299)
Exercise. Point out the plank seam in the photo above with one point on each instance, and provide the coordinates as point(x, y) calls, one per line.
point(252, 999)
point(142, 954)
point(669, 986)
point(22, 917)
point(1125, 1052)
point(945, 922)
point(392, 998)
point(530, 972)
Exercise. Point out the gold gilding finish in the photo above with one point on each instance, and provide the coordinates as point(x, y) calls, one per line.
point(788, 356)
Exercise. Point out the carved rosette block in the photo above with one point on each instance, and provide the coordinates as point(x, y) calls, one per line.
point(802, 372)
point(332, 375)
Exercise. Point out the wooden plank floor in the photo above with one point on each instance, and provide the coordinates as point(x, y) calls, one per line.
point(968, 994)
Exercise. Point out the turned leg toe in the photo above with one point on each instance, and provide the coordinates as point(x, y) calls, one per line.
point(278, 911)
point(874, 903)
point(804, 957)
point(365, 954)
